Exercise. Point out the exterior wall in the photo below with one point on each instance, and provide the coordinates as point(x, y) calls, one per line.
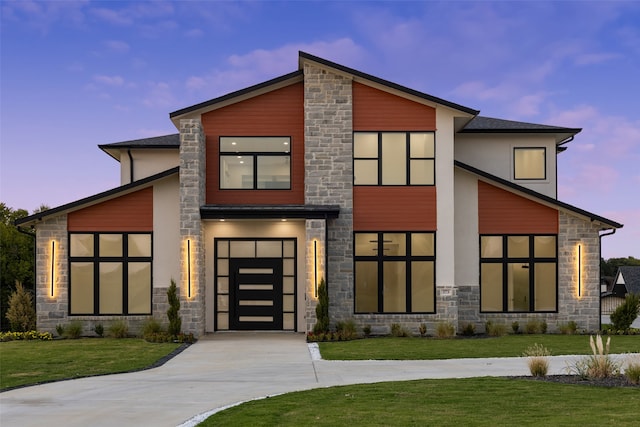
point(315, 244)
point(192, 191)
point(494, 154)
point(166, 238)
point(146, 163)
point(377, 208)
point(329, 175)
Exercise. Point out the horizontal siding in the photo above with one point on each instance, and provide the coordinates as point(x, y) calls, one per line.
point(394, 208)
point(277, 113)
point(131, 212)
point(374, 109)
point(502, 212)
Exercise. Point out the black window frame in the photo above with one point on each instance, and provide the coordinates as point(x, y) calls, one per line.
point(96, 259)
point(544, 149)
point(381, 259)
point(505, 260)
point(408, 159)
point(254, 155)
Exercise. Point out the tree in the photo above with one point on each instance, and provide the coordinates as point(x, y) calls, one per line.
point(175, 322)
point(21, 314)
point(16, 258)
point(626, 313)
point(322, 309)
point(610, 266)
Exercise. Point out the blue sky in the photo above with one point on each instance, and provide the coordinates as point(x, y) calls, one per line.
point(75, 74)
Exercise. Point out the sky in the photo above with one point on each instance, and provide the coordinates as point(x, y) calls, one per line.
point(76, 74)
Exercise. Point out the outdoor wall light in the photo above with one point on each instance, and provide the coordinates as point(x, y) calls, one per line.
point(579, 270)
point(53, 264)
point(315, 267)
point(189, 268)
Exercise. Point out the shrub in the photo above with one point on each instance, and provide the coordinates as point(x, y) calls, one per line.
point(422, 329)
point(347, 330)
point(26, 336)
point(469, 330)
point(495, 329)
point(597, 365)
point(445, 330)
point(98, 329)
point(175, 322)
point(398, 330)
point(543, 327)
point(60, 330)
point(20, 314)
point(632, 371)
point(532, 327)
point(515, 326)
point(119, 329)
point(151, 326)
point(157, 337)
point(537, 359)
point(73, 330)
point(366, 330)
point(568, 328)
point(322, 309)
point(626, 313)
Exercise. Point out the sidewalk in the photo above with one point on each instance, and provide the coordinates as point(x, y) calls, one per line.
point(218, 371)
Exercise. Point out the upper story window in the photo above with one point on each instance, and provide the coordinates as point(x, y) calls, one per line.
point(255, 163)
point(394, 158)
point(529, 163)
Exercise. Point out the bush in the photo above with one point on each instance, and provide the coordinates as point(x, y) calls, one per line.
point(98, 329)
point(532, 327)
point(119, 329)
point(73, 330)
point(495, 329)
point(626, 313)
point(26, 336)
point(537, 360)
point(469, 330)
point(175, 322)
point(322, 309)
point(398, 330)
point(60, 330)
point(632, 372)
point(445, 330)
point(422, 329)
point(597, 365)
point(347, 330)
point(568, 328)
point(151, 326)
point(20, 314)
point(366, 330)
point(515, 326)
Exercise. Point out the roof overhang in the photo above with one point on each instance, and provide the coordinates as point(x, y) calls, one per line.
point(269, 212)
point(167, 142)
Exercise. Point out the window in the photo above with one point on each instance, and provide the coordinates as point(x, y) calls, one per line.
point(394, 272)
point(394, 158)
point(518, 273)
point(110, 273)
point(529, 163)
point(255, 163)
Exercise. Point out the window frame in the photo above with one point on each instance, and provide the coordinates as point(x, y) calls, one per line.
point(544, 164)
point(254, 155)
point(408, 158)
point(505, 260)
point(124, 259)
point(380, 260)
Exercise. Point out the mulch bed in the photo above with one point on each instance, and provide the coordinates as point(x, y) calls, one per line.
point(616, 381)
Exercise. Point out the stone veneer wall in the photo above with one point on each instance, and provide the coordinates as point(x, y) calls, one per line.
point(192, 196)
point(584, 310)
point(328, 109)
point(314, 231)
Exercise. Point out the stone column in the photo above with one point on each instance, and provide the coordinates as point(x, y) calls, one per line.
point(315, 265)
point(192, 196)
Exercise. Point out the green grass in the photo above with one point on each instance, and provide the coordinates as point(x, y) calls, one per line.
point(458, 402)
point(390, 348)
point(33, 362)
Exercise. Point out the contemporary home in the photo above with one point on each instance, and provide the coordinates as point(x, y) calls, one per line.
point(411, 208)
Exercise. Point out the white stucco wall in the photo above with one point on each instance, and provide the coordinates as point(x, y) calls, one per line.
point(494, 154)
point(146, 163)
point(166, 232)
point(466, 225)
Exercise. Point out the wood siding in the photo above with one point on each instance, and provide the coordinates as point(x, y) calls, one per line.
point(394, 208)
point(277, 113)
point(374, 109)
point(502, 212)
point(131, 212)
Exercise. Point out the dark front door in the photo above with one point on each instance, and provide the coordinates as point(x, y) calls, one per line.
point(255, 294)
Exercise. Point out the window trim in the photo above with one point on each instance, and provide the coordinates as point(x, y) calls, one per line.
point(544, 164)
point(381, 259)
point(505, 260)
point(254, 155)
point(408, 158)
point(96, 259)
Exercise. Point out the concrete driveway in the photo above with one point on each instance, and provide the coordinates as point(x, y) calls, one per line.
point(221, 370)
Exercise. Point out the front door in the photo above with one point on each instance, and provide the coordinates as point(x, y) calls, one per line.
point(255, 293)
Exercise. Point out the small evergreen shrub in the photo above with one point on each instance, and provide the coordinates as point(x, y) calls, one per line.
point(469, 330)
point(119, 329)
point(626, 313)
point(515, 327)
point(175, 322)
point(445, 330)
point(366, 330)
point(60, 330)
point(397, 330)
point(537, 359)
point(322, 309)
point(543, 327)
point(73, 330)
point(98, 329)
point(20, 314)
point(422, 329)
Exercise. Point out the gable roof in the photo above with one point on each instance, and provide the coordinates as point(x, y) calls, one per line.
point(538, 196)
point(97, 198)
point(480, 124)
point(631, 275)
point(164, 141)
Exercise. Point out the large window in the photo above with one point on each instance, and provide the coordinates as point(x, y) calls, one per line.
point(110, 273)
point(255, 163)
point(518, 273)
point(529, 163)
point(394, 158)
point(394, 272)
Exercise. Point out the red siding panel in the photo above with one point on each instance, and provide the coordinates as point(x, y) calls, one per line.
point(277, 113)
point(502, 212)
point(374, 109)
point(132, 212)
point(394, 208)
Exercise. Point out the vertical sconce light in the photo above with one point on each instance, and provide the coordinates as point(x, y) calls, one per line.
point(579, 270)
point(315, 267)
point(189, 268)
point(53, 264)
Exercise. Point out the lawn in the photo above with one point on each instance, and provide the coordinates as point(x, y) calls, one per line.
point(33, 362)
point(390, 348)
point(459, 402)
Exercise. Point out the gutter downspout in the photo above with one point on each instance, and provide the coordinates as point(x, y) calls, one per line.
point(130, 165)
point(600, 236)
point(35, 264)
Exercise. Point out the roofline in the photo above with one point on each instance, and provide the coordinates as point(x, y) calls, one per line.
point(235, 94)
point(535, 194)
point(96, 197)
point(269, 211)
point(304, 55)
point(531, 130)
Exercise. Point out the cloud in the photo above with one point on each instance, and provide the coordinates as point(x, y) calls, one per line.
point(43, 15)
point(109, 80)
point(159, 95)
point(595, 58)
point(194, 33)
point(117, 46)
point(114, 17)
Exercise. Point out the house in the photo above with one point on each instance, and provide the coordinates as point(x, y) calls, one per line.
point(627, 280)
point(412, 208)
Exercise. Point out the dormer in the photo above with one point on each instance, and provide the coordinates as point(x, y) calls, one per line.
point(522, 153)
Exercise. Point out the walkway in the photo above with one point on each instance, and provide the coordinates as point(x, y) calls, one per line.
point(220, 370)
